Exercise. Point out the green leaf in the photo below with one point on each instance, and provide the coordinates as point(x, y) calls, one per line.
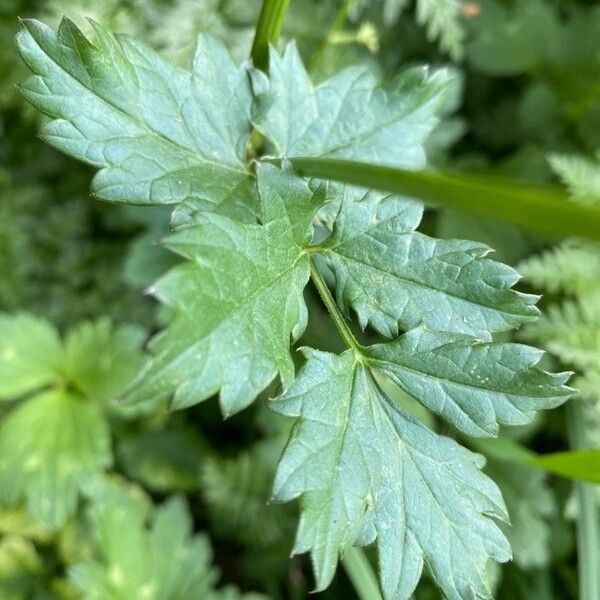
point(49, 446)
point(514, 39)
point(159, 135)
point(237, 301)
point(367, 471)
point(30, 355)
point(442, 19)
point(237, 491)
point(352, 115)
point(21, 568)
point(102, 360)
point(54, 440)
point(474, 385)
point(539, 208)
point(164, 560)
point(572, 267)
point(393, 276)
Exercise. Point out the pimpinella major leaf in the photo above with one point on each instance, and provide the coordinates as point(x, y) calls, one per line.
point(364, 470)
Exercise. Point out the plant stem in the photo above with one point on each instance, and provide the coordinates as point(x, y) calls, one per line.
point(333, 310)
point(268, 29)
point(588, 517)
point(361, 574)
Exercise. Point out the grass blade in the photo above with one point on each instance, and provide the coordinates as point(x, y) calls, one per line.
point(544, 209)
point(579, 464)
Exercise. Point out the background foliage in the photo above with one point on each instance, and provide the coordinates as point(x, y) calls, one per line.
point(96, 497)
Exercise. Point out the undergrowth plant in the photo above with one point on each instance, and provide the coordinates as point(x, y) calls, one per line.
point(298, 270)
point(218, 144)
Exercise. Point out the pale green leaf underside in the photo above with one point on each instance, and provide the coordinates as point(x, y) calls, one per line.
point(160, 135)
point(49, 446)
point(349, 116)
point(474, 385)
point(365, 470)
point(30, 354)
point(395, 277)
point(237, 300)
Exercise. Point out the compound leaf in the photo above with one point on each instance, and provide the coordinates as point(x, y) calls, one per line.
point(237, 301)
point(391, 275)
point(160, 135)
point(366, 471)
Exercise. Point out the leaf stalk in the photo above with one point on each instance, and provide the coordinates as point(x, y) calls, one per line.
point(337, 317)
point(268, 29)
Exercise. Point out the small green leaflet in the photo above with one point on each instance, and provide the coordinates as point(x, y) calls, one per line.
point(351, 116)
point(48, 446)
point(160, 135)
point(157, 562)
point(57, 436)
point(30, 355)
point(237, 300)
point(474, 385)
point(391, 275)
point(367, 470)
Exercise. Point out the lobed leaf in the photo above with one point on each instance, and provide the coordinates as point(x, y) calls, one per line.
point(49, 446)
point(474, 385)
point(395, 277)
point(366, 471)
point(163, 560)
point(351, 116)
point(158, 134)
point(31, 355)
point(237, 301)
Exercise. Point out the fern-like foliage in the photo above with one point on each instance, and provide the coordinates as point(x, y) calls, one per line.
point(570, 327)
point(442, 20)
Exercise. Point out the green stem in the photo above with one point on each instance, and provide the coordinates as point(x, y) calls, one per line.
point(268, 29)
point(588, 517)
point(333, 310)
point(361, 574)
